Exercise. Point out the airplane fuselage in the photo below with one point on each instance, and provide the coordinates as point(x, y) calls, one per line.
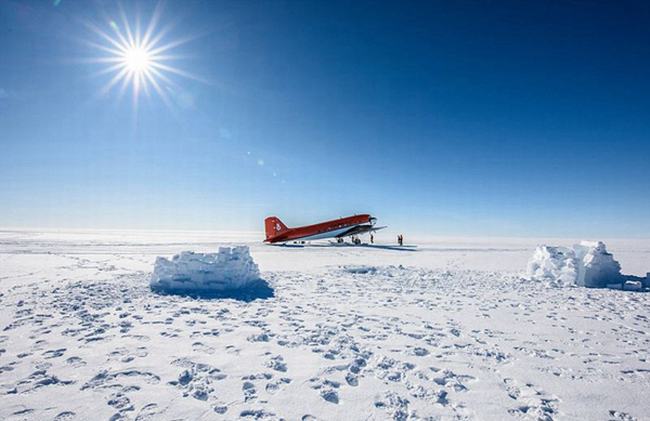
point(277, 232)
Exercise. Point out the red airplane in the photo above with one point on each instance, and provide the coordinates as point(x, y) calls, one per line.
point(277, 232)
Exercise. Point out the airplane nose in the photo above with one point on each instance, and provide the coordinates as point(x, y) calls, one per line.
point(373, 220)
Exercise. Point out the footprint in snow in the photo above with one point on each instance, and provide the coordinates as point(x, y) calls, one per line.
point(274, 387)
point(65, 416)
point(75, 362)
point(620, 416)
point(531, 401)
point(277, 363)
point(201, 347)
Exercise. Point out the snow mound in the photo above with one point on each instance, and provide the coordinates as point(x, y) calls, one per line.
point(586, 264)
point(556, 265)
point(232, 268)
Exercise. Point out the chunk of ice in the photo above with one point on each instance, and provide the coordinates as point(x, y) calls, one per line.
point(230, 269)
point(598, 267)
point(556, 265)
point(585, 264)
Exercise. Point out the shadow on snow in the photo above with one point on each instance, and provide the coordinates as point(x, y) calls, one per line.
point(371, 246)
point(259, 289)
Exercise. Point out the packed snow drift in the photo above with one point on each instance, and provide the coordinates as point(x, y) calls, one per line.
point(231, 268)
point(586, 264)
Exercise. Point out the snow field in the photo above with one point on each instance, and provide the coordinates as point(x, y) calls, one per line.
point(355, 333)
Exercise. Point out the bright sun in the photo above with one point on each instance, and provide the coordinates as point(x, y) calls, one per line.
point(139, 61)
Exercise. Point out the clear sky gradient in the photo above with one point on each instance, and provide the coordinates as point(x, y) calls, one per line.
point(517, 118)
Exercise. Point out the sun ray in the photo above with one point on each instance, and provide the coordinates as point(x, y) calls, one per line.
point(127, 27)
point(111, 69)
point(155, 16)
point(116, 43)
point(157, 88)
point(109, 59)
point(153, 40)
point(137, 31)
point(126, 80)
point(176, 71)
point(124, 43)
point(115, 80)
point(167, 57)
point(171, 45)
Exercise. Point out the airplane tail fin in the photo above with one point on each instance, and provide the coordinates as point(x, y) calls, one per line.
point(273, 226)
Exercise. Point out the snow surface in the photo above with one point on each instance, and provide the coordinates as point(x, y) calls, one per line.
point(189, 272)
point(585, 264)
point(451, 329)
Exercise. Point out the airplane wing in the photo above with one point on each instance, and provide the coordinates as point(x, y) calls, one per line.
point(358, 230)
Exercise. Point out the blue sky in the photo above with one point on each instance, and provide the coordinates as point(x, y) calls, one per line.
point(448, 118)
